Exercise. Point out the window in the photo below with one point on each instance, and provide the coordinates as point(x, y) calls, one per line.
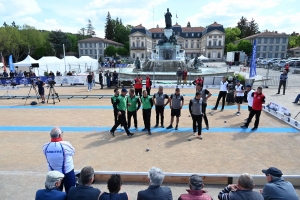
point(258, 55)
point(192, 45)
point(283, 48)
point(271, 40)
point(86, 45)
point(91, 51)
point(282, 55)
point(80, 45)
point(142, 44)
point(219, 55)
point(91, 45)
point(258, 48)
point(198, 34)
point(198, 46)
point(100, 45)
point(277, 48)
point(133, 44)
point(264, 55)
point(86, 52)
point(265, 48)
point(283, 40)
point(266, 40)
point(269, 55)
point(209, 43)
point(208, 55)
point(220, 43)
point(133, 55)
point(276, 55)
point(142, 55)
point(81, 52)
point(210, 36)
point(215, 36)
point(270, 48)
point(160, 35)
point(277, 40)
point(220, 36)
point(186, 45)
point(95, 52)
point(258, 40)
point(215, 43)
point(186, 35)
point(100, 51)
point(154, 35)
point(192, 34)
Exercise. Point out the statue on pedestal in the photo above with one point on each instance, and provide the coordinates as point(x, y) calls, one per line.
point(168, 19)
point(196, 63)
point(173, 39)
point(137, 63)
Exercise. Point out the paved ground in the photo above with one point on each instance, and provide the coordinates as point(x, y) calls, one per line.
point(224, 149)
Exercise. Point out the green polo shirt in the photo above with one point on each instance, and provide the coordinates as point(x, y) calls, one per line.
point(113, 99)
point(122, 104)
point(146, 102)
point(133, 102)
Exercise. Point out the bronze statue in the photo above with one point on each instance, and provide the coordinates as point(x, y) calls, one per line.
point(173, 39)
point(168, 19)
point(137, 63)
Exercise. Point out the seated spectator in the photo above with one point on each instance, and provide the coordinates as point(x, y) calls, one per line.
point(155, 191)
point(85, 190)
point(277, 188)
point(51, 73)
point(20, 74)
point(5, 74)
point(11, 74)
point(53, 181)
point(114, 185)
point(297, 99)
point(195, 191)
point(242, 190)
point(69, 73)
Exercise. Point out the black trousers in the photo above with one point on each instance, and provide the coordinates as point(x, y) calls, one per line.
point(197, 120)
point(222, 94)
point(121, 120)
point(138, 92)
point(148, 90)
point(129, 115)
point(282, 83)
point(251, 115)
point(204, 105)
point(147, 118)
point(160, 111)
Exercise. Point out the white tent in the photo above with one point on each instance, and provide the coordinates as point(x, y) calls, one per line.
point(90, 63)
point(25, 64)
point(202, 58)
point(73, 63)
point(50, 63)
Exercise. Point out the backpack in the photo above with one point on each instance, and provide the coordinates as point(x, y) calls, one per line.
point(33, 103)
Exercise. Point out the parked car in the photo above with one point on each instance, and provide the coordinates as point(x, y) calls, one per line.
point(258, 60)
point(264, 63)
point(271, 61)
point(280, 63)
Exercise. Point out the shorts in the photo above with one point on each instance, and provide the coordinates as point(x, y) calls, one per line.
point(239, 100)
point(175, 112)
point(249, 108)
point(41, 91)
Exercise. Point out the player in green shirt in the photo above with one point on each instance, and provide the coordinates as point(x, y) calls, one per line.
point(147, 106)
point(113, 100)
point(133, 105)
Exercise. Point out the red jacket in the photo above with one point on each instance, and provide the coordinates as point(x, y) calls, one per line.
point(184, 74)
point(148, 82)
point(258, 100)
point(199, 81)
point(138, 83)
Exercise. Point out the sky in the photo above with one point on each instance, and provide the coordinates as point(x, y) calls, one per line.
point(72, 15)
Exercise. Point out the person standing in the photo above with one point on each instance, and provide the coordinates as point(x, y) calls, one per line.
point(113, 100)
point(101, 79)
point(258, 100)
point(41, 89)
point(59, 155)
point(138, 85)
point(195, 108)
point(148, 84)
point(93, 83)
point(120, 105)
point(176, 104)
point(51, 73)
point(222, 93)
point(147, 106)
point(89, 80)
point(282, 82)
point(249, 98)
point(205, 94)
point(115, 77)
point(132, 102)
point(239, 95)
point(199, 80)
point(108, 78)
point(159, 102)
point(184, 76)
point(179, 76)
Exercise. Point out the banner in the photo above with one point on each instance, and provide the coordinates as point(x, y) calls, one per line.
point(11, 64)
point(3, 61)
point(278, 108)
point(253, 61)
point(25, 81)
point(70, 80)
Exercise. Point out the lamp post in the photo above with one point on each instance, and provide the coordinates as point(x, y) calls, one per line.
point(65, 59)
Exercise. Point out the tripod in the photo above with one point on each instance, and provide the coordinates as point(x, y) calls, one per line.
point(297, 115)
point(53, 93)
point(36, 93)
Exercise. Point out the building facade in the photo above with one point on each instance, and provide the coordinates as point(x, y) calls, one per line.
point(209, 41)
point(270, 44)
point(88, 47)
point(294, 52)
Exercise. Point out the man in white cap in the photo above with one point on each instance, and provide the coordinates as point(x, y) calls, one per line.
point(53, 181)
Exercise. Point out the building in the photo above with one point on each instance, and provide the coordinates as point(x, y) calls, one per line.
point(294, 52)
point(209, 41)
point(270, 44)
point(88, 47)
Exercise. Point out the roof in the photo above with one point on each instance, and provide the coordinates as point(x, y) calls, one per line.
point(141, 29)
point(267, 33)
point(295, 48)
point(97, 39)
point(193, 29)
point(215, 24)
point(139, 26)
point(156, 30)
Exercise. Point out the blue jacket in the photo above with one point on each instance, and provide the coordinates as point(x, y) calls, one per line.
point(47, 194)
point(278, 189)
point(283, 77)
point(83, 192)
point(155, 193)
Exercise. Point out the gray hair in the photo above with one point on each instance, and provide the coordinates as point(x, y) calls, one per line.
point(160, 87)
point(246, 181)
point(51, 185)
point(86, 174)
point(55, 132)
point(156, 176)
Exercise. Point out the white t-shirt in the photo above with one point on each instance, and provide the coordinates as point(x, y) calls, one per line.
point(250, 98)
point(239, 90)
point(59, 156)
point(223, 86)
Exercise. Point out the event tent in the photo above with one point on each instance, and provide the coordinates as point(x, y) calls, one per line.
point(50, 63)
point(90, 63)
point(25, 64)
point(202, 58)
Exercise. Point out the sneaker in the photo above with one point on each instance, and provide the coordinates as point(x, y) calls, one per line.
point(169, 127)
point(207, 128)
point(244, 127)
point(214, 108)
point(200, 137)
point(144, 129)
point(43, 102)
point(149, 132)
point(194, 133)
point(237, 113)
point(221, 109)
point(112, 133)
point(176, 127)
point(162, 126)
point(277, 93)
point(130, 134)
point(254, 129)
point(156, 126)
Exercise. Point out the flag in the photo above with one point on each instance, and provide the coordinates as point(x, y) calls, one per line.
point(3, 61)
point(253, 63)
point(176, 16)
point(11, 64)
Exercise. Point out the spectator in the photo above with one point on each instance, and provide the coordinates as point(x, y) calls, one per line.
point(58, 73)
point(297, 99)
point(59, 155)
point(155, 191)
point(89, 80)
point(5, 74)
point(115, 76)
point(148, 84)
point(199, 80)
point(277, 188)
point(93, 85)
point(114, 185)
point(184, 76)
point(69, 73)
point(20, 74)
point(101, 79)
point(195, 191)
point(283, 78)
point(242, 190)
point(85, 190)
point(11, 74)
point(51, 73)
point(138, 85)
point(287, 68)
point(53, 181)
point(179, 76)
point(108, 78)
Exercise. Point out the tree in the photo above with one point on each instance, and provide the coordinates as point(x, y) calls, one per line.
point(121, 51)
point(57, 39)
point(252, 28)
point(294, 41)
point(32, 39)
point(109, 28)
point(188, 24)
point(243, 26)
point(245, 45)
point(45, 49)
point(90, 29)
point(231, 35)
point(231, 47)
point(110, 51)
point(74, 42)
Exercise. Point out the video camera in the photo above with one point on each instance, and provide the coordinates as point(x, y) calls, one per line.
point(51, 82)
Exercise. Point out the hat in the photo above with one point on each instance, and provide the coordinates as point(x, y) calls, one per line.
point(248, 85)
point(196, 180)
point(53, 177)
point(124, 90)
point(272, 171)
point(237, 81)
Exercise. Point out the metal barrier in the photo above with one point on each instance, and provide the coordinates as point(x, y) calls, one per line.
point(270, 80)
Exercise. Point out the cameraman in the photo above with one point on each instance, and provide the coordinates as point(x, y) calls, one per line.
point(40, 85)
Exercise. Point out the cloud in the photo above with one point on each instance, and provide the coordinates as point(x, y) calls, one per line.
point(19, 8)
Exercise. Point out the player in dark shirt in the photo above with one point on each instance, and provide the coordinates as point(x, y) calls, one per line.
point(41, 89)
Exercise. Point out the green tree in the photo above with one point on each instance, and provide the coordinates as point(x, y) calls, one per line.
point(231, 35)
point(109, 28)
point(90, 29)
point(110, 51)
point(245, 45)
point(32, 39)
point(243, 26)
point(188, 24)
point(45, 49)
point(74, 42)
point(252, 28)
point(121, 51)
point(231, 47)
point(57, 39)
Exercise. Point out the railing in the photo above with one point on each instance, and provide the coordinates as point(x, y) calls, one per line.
point(215, 47)
point(138, 48)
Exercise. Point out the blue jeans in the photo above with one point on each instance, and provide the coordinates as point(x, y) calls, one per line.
point(90, 86)
point(68, 181)
point(297, 98)
point(108, 82)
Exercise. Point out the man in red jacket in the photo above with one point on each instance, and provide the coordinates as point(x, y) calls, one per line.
point(148, 84)
point(258, 100)
point(138, 85)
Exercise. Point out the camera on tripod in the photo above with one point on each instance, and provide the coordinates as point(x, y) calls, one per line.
point(51, 82)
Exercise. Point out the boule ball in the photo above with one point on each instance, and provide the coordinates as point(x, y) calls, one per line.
point(147, 149)
point(189, 139)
